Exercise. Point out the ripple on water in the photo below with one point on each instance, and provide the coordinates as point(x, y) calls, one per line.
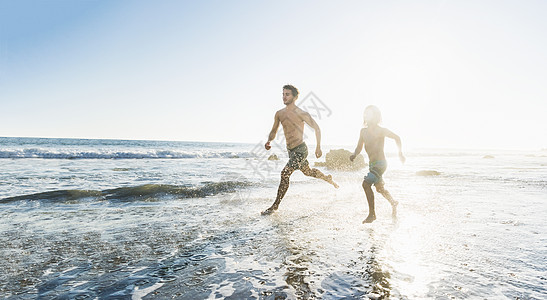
point(198, 257)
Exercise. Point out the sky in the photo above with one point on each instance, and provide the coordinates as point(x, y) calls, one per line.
point(445, 74)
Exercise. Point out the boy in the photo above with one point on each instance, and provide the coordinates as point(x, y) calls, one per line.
point(372, 137)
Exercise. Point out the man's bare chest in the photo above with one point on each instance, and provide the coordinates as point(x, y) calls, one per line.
point(291, 120)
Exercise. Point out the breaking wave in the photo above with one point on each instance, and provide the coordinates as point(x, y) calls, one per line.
point(105, 154)
point(135, 193)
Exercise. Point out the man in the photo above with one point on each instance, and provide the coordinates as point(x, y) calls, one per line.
point(293, 119)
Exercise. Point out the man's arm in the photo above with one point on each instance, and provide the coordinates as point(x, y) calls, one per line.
point(311, 122)
point(273, 132)
point(388, 133)
point(359, 147)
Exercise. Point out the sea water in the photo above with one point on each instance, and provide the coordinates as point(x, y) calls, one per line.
point(146, 219)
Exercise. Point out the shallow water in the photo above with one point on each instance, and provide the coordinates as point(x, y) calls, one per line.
point(475, 231)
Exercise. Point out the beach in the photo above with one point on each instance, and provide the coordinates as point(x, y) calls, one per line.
point(91, 219)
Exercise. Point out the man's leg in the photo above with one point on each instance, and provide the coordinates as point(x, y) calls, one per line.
point(318, 174)
point(380, 188)
point(370, 199)
point(283, 187)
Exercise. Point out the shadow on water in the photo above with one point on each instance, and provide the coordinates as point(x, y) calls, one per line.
point(380, 278)
point(366, 275)
point(297, 273)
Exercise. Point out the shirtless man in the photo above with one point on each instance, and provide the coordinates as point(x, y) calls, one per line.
point(373, 136)
point(292, 119)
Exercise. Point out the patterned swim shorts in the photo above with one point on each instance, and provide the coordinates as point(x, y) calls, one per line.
point(298, 157)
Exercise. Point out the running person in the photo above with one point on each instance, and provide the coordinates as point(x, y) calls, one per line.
point(372, 137)
point(292, 118)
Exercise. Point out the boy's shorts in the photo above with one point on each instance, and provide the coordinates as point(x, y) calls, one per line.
point(298, 157)
point(376, 170)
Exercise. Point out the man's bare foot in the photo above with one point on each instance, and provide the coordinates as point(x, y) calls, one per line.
point(394, 209)
point(369, 219)
point(269, 211)
point(329, 180)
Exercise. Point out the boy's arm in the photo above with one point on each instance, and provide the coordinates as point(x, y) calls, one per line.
point(359, 147)
point(273, 132)
point(311, 122)
point(388, 133)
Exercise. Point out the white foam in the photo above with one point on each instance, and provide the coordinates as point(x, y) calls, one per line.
point(138, 293)
point(69, 269)
point(111, 154)
point(78, 283)
point(226, 290)
point(47, 272)
point(138, 269)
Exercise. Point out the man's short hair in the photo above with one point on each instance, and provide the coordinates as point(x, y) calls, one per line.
point(293, 90)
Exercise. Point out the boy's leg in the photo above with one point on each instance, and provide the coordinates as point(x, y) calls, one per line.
point(318, 174)
point(283, 187)
point(370, 199)
point(380, 188)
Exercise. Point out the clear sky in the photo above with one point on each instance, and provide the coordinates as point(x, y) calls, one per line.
point(446, 74)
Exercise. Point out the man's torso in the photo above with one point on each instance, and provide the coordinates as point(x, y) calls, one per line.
point(293, 126)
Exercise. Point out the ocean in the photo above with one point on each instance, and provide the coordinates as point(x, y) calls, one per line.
point(117, 219)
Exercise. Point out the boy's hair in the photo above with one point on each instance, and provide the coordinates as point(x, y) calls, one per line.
point(372, 115)
point(293, 90)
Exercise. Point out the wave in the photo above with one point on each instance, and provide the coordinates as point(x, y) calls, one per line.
point(105, 154)
point(134, 193)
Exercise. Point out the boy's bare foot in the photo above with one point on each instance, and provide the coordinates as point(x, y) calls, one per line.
point(369, 219)
point(394, 209)
point(269, 211)
point(329, 180)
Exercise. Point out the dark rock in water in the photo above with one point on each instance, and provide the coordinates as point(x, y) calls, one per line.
point(273, 157)
point(488, 156)
point(339, 160)
point(428, 173)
